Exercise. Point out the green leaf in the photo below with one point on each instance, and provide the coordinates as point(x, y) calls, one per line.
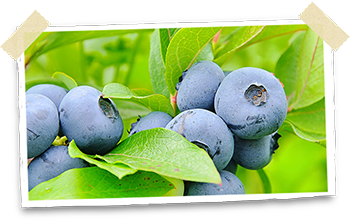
point(269, 32)
point(155, 102)
point(93, 182)
point(223, 37)
point(130, 109)
point(142, 92)
point(274, 31)
point(207, 54)
point(308, 123)
point(120, 170)
point(157, 64)
point(301, 70)
point(183, 50)
point(164, 152)
point(167, 153)
point(165, 36)
point(240, 37)
point(179, 187)
point(66, 79)
point(265, 181)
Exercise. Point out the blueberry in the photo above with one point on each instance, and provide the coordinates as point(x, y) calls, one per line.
point(207, 131)
point(91, 120)
point(50, 164)
point(231, 184)
point(53, 92)
point(42, 123)
point(255, 154)
point(252, 102)
point(198, 85)
point(155, 119)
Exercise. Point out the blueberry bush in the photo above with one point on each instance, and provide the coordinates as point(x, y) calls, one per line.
point(133, 73)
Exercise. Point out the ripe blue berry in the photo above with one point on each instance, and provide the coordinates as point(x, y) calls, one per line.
point(252, 102)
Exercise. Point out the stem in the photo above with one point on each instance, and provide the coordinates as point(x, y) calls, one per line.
point(173, 101)
point(265, 181)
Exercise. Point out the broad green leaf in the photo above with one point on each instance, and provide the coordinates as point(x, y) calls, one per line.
point(164, 152)
point(309, 122)
point(179, 187)
point(240, 37)
point(322, 143)
point(287, 65)
point(269, 32)
point(142, 92)
point(157, 64)
point(120, 170)
point(167, 153)
point(301, 70)
point(93, 182)
point(66, 79)
point(207, 54)
point(155, 102)
point(130, 109)
point(223, 37)
point(274, 31)
point(184, 48)
point(165, 36)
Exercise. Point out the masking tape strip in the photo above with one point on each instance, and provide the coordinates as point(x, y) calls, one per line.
point(323, 26)
point(25, 35)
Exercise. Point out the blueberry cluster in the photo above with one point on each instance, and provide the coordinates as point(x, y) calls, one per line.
point(233, 116)
point(81, 114)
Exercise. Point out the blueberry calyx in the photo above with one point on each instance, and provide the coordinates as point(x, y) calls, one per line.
point(108, 109)
point(134, 124)
point(274, 142)
point(256, 94)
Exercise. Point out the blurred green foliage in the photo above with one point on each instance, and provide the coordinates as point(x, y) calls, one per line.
point(97, 59)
